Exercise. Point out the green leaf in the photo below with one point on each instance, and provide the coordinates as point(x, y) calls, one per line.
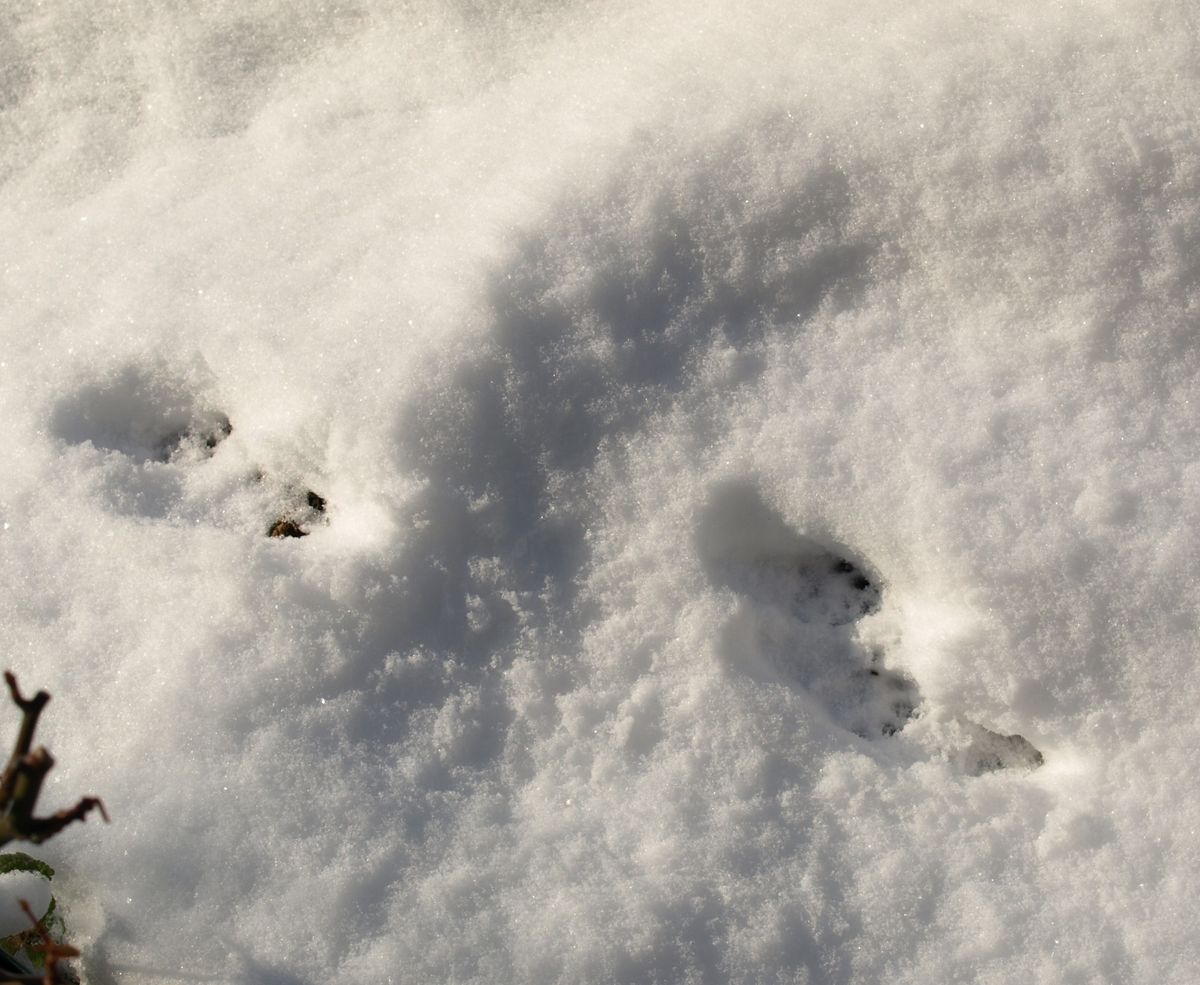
point(20, 862)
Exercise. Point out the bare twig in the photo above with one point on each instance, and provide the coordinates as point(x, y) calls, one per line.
point(21, 781)
point(31, 709)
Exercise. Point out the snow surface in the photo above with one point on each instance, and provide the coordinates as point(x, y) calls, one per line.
point(31, 887)
point(735, 423)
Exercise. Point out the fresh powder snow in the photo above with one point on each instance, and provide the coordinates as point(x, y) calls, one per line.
point(608, 492)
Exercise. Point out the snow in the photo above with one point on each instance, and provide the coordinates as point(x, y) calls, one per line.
point(33, 888)
point(619, 344)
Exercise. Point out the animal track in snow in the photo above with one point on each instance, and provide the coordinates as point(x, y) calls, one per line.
point(817, 586)
point(157, 424)
point(147, 413)
point(196, 442)
point(295, 519)
point(801, 601)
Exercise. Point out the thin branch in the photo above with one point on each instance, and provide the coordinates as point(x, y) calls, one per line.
point(22, 780)
point(31, 709)
point(42, 828)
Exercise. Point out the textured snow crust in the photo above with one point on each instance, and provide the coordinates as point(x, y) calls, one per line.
point(756, 445)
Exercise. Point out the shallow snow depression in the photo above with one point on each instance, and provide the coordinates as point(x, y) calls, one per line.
point(733, 475)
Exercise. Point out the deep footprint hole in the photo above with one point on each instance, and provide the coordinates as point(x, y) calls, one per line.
point(833, 590)
point(991, 751)
point(298, 515)
point(196, 442)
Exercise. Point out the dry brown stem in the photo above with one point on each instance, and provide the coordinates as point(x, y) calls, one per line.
point(21, 781)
